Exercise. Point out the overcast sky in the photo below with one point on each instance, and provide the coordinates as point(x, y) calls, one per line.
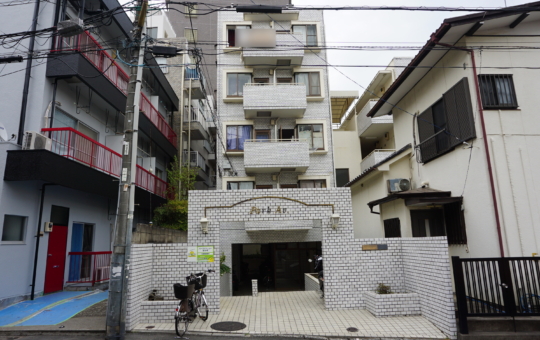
point(382, 28)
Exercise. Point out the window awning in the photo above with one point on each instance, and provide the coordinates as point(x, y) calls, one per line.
point(417, 197)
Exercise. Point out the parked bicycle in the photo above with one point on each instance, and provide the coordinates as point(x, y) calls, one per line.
point(319, 270)
point(192, 302)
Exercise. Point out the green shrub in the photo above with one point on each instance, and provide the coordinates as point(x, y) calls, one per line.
point(223, 268)
point(383, 289)
point(172, 215)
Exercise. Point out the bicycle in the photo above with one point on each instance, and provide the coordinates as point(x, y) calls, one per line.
point(192, 302)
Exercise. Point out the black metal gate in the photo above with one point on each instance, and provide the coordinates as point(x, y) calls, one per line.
point(496, 287)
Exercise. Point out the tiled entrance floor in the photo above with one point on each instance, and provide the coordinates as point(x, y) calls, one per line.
point(303, 313)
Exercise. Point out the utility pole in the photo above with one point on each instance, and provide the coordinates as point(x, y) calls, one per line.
point(118, 283)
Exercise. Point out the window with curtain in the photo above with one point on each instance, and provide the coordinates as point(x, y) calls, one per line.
point(241, 185)
point(497, 91)
point(313, 134)
point(190, 34)
point(237, 135)
point(236, 82)
point(14, 228)
point(308, 31)
point(318, 183)
point(311, 80)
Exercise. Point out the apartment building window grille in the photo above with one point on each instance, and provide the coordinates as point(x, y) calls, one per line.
point(284, 80)
point(288, 186)
point(237, 135)
point(311, 80)
point(14, 228)
point(342, 177)
point(392, 228)
point(497, 91)
point(231, 33)
point(263, 187)
point(236, 82)
point(190, 34)
point(243, 185)
point(313, 134)
point(447, 123)
point(152, 32)
point(308, 31)
point(318, 183)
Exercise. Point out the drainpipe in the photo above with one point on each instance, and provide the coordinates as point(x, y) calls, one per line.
point(24, 103)
point(484, 135)
point(38, 237)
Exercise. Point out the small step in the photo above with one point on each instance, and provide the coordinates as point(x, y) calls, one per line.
point(504, 324)
point(500, 336)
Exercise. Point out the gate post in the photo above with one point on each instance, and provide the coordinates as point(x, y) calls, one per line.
point(507, 286)
point(460, 294)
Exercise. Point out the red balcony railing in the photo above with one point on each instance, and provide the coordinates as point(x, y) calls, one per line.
point(94, 52)
point(72, 144)
point(157, 119)
point(89, 266)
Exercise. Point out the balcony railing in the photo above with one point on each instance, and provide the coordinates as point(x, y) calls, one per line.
point(273, 155)
point(287, 100)
point(157, 119)
point(85, 44)
point(365, 123)
point(195, 159)
point(375, 157)
point(89, 266)
point(72, 144)
point(195, 114)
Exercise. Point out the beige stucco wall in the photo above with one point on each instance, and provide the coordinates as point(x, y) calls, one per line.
point(347, 148)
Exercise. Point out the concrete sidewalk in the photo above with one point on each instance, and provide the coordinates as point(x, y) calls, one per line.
point(303, 314)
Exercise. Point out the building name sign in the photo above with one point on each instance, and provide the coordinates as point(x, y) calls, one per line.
point(267, 210)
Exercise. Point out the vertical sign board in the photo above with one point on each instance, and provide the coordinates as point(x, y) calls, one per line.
point(200, 254)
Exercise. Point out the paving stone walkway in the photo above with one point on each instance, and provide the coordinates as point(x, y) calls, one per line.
point(303, 313)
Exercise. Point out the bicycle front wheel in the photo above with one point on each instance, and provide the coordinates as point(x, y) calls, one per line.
point(203, 309)
point(181, 324)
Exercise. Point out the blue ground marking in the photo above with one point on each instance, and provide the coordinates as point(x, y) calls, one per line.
point(64, 311)
point(23, 309)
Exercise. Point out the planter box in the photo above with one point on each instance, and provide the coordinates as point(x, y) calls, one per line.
point(397, 304)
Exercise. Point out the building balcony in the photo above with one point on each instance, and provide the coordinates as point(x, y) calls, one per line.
point(194, 81)
point(289, 51)
point(274, 100)
point(153, 115)
point(195, 121)
point(83, 58)
point(72, 144)
point(269, 155)
point(375, 157)
point(373, 127)
point(196, 160)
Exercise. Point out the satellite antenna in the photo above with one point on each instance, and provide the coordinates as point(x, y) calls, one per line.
point(3, 132)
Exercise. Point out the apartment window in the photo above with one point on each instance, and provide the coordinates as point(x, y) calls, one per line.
point(190, 11)
point(243, 185)
point(313, 134)
point(311, 80)
point(447, 123)
point(448, 221)
point(152, 32)
point(263, 187)
point(284, 80)
point(392, 228)
point(231, 33)
point(14, 228)
point(190, 34)
point(288, 186)
point(262, 135)
point(497, 91)
point(342, 177)
point(260, 80)
point(237, 135)
point(308, 31)
point(318, 183)
point(236, 82)
point(63, 120)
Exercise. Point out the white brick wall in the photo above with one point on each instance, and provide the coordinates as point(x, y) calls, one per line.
point(383, 305)
point(276, 155)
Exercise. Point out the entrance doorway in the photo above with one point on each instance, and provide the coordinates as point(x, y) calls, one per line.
point(276, 266)
point(56, 259)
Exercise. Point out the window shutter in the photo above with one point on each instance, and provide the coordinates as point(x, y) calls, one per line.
point(428, 148)
point(459, 114)
point(455, 223)
point(392, 228)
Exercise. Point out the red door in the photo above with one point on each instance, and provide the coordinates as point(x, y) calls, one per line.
point(56, 259)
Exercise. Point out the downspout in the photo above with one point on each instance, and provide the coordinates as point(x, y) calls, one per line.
point(28, 71)
point(182, 110)
point(58, 11)
point(484, 135)
point(38, 236)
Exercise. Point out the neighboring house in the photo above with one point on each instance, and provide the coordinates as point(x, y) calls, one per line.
point(464, 131)
point(64, 171)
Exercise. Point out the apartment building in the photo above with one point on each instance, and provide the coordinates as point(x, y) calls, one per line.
point(460, 129)
point(60, 171)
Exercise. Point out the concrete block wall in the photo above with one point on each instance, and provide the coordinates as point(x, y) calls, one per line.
point(426, 264)
point(383, 305)
point(140, 282)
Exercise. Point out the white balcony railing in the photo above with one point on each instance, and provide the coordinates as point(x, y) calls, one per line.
point(286, 100)
point(272, 155)
point(375, 157)
point(196, 114)
point(364, 123)
point(195, 160)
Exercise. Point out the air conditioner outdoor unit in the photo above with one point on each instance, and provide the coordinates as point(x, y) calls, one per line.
point(34, 140)
point(398, 184)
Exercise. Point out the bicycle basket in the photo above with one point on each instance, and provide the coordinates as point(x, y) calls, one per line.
point(183, 292)
point(199, 281)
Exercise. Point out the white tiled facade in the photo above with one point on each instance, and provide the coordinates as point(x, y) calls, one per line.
point(382, 305)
